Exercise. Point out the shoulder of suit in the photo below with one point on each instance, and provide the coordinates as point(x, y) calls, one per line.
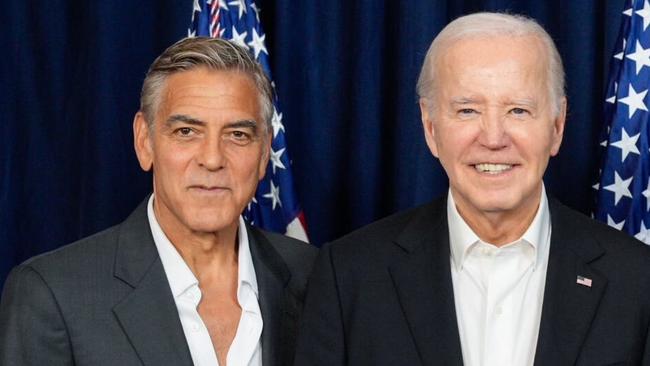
point(78, 256)
point(385, 231)
point(614, 242)
point(298, 255)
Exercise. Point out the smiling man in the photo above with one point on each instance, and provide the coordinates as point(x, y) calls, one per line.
point(496, 272)
point(184, 280)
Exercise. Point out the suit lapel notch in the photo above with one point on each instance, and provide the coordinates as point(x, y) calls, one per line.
point(277, 303)
point(422, 279)
point(148, 314)
point(572, 293)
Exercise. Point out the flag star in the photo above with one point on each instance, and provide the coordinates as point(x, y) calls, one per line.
point(191, 33)
point(646, 194)
point(238, 38)
point(241, 4)
point(612, 99)
point(274, 195)
point(620, 54)
point(253, 200)
point(596, 186)
point(222, 5)
point(641, 57)
point(603, 143)
point(634, 101)
point(276, 157)
point(258, 43)
point(257, 11)
point(645, 14)
point(627, 144)
point(643, 234)
point(628, 12)
point(276, 122)
point(196, 6)
point(614, 224)
point(620, 188)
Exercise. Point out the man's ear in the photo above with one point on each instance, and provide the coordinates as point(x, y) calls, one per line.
point(558, 128)
point(427, 124)
point(142, 141)
point(266, 154)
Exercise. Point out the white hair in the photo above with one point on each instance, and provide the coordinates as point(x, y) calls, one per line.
point(492, 25)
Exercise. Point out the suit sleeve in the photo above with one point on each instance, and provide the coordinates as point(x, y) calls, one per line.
point(32, 330)
point(321, 338)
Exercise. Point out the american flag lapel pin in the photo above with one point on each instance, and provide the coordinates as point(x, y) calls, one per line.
point(583, 281)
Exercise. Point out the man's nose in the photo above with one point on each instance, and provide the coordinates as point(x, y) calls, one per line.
point(493, 131)
point(210, 155)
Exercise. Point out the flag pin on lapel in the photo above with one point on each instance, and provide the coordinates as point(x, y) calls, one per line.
point(583, 281)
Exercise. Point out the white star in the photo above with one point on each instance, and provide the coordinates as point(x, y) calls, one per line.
point(645, 14)
point(257, 11)
point(646, 194)
point(253, 200)
point(258, 43)
point(612, 99)
point(641, 57)
point(196, 7)
point(634, 101)
point(223, 5)
point(627, 144)
point(274, 195)
point(276, 159)
point(620, 54)
point(628, 12)
point(239, 39)
point(596, 186)
point(276, 122)
point(191, 33)
point(614, 224)
point(643, 234)
point(241, 4)
point(620, 188)
point(603, 143)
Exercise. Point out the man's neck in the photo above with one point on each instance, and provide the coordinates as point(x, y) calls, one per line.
point(499, 227)
point(206, 254)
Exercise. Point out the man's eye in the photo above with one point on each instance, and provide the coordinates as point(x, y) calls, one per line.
point(239, 137)
point(184, 131)
point(466, 111)
point(518, 111)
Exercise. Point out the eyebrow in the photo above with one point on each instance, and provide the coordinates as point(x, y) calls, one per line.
point(246, 123)
point(465, 100)
point(178, 118)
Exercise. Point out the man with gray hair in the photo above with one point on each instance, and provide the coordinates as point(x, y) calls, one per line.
point(496, 272)
point(184, 280)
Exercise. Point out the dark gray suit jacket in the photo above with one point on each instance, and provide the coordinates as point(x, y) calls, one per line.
point(105, 300)
point(384, 296)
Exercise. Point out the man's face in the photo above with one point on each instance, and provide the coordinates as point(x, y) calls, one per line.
point(208, 150)
point(492, 123)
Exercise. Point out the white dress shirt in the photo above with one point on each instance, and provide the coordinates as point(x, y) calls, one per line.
point(246, 349)
point(498, 292)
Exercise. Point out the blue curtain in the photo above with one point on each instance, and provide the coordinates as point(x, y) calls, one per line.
point(345, 72)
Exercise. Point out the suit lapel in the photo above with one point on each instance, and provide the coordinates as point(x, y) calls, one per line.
point(422, 278)
point(148, 315)
point(278, 305)
point(569, 307)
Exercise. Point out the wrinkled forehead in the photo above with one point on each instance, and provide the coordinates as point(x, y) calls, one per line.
point(493, 63)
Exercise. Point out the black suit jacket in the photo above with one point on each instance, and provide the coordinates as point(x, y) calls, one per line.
point(384, 296)
point(105, 300)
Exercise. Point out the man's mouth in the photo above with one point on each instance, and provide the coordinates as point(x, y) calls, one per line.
point(492, 168)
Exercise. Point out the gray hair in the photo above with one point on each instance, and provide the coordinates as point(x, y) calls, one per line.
point(213, 53)
point(486, 25)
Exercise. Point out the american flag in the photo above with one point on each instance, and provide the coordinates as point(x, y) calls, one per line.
point(275, 205)
point(623, 188)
